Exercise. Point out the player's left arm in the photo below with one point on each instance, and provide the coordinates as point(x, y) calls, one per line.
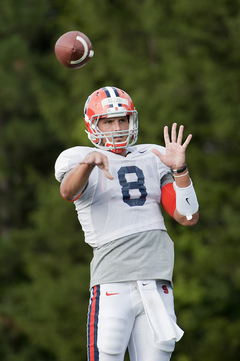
point(169, 203)
point(181, 197)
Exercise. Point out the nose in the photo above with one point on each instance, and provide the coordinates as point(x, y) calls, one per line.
point(117, 125)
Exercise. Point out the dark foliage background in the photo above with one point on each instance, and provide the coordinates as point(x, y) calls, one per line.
point(179, 61)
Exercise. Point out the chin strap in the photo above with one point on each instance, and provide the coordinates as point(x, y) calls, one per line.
point(186, 200)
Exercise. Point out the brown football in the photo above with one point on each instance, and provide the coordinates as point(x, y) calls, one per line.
point(73, 49)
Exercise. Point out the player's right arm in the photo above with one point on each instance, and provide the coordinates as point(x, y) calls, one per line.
point(76, 179)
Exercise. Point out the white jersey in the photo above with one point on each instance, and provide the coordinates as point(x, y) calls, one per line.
point(128, 204)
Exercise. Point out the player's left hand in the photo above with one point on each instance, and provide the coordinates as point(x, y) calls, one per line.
point(174, 157)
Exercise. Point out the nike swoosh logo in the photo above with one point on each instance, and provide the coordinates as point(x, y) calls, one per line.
point(144, 284)
point(187, 201)
point(111, 294)
point(142, 151)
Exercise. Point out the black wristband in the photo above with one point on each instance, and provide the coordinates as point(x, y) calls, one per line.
point(179, 170)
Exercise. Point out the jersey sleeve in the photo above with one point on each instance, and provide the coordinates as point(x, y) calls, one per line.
point(168, 198)
point(168, 195)
point(66, 161)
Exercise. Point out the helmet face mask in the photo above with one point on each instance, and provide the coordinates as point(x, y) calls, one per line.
point(110, 102)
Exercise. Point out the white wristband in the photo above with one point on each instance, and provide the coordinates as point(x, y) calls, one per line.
point(186, 200)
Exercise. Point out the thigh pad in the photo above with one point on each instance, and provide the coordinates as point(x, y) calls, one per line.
point(113, 332)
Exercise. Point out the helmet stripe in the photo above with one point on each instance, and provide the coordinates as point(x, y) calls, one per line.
point(85, 108)
point(107, 92)
point(115, 91)
point(112, 92)
point(117, 94)
point(108, 95)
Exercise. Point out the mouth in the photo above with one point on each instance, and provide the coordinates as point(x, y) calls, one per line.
point(119, 139)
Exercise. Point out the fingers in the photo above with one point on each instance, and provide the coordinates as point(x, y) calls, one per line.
point(166, 135)
point(174, 133)
point(156, 152)
point(176, 138)
point(187, 141)
point(180, 134)
point(100, 160)
point(107, 174)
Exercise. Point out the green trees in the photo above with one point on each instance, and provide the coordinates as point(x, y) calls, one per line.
point(179, 61)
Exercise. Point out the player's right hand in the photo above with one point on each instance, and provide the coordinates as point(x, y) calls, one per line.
point(100, 160)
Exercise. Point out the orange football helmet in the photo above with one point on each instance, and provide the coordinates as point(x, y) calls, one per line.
point(109, 102)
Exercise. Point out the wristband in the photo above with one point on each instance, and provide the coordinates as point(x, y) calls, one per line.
point(179, 170)
point(186, 200)
point(182, 175)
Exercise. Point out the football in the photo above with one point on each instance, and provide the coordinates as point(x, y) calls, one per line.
point(73, 49)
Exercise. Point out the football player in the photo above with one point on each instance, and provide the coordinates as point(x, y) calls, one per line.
point(118, 189)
